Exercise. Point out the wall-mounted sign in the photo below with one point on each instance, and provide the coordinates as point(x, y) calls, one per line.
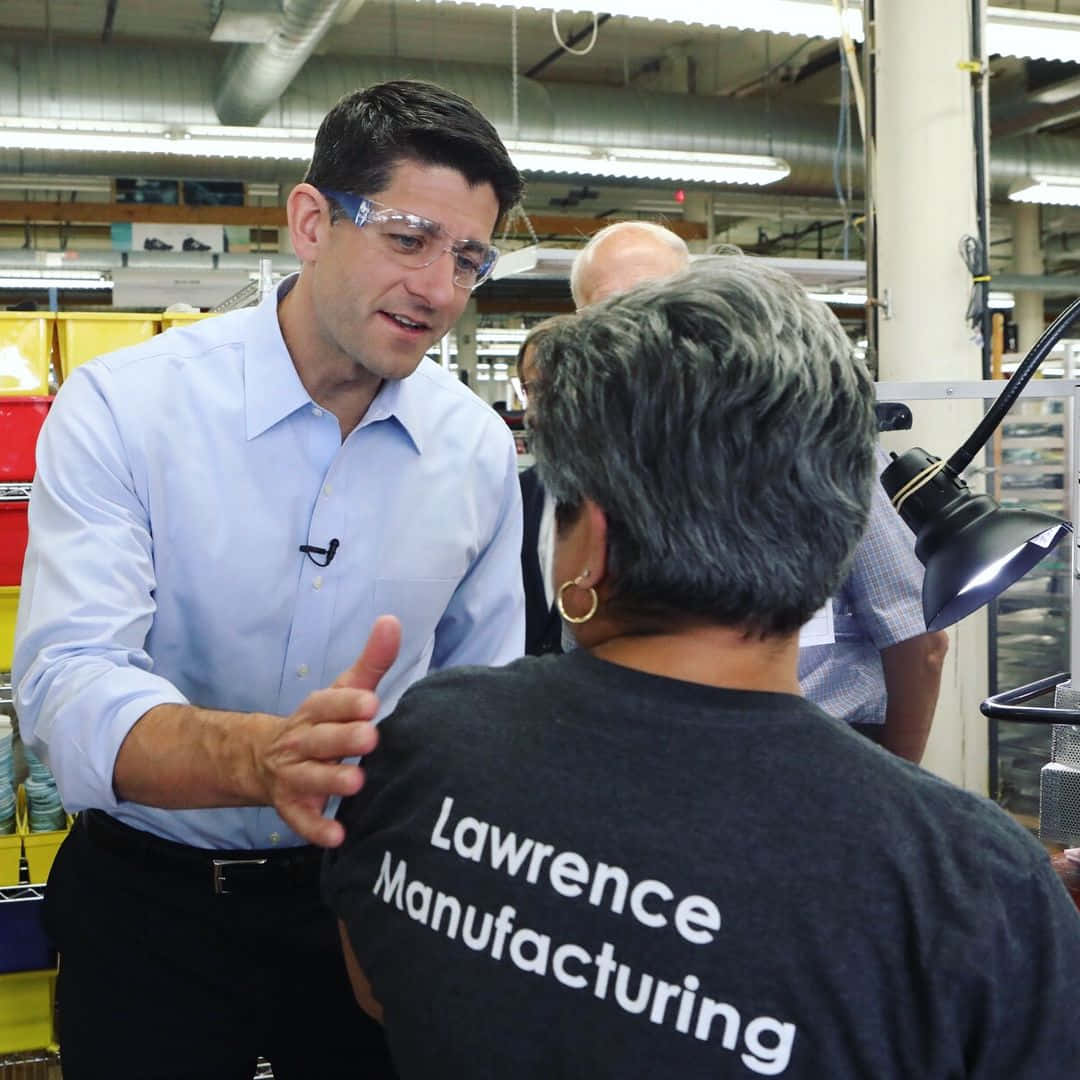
point(147, 236)
point(142, 288)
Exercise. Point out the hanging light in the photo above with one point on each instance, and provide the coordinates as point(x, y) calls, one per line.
point(636, 163)
point(1049, 190)
point(972, 548)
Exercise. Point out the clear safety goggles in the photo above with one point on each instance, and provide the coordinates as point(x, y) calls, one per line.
point(415, 242)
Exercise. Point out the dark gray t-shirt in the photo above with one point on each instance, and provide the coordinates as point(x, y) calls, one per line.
point(564, 868)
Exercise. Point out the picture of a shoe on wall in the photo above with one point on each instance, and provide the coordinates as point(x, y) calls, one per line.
point(200, 239)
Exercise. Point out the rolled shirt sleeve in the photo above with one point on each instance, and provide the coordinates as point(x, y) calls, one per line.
point(81, 673)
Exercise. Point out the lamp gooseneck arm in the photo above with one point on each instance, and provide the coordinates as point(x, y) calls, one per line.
point(1013, 388)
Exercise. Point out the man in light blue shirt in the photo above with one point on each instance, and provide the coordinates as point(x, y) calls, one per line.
point(219, 515)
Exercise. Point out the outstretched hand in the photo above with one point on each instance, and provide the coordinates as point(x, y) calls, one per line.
point(303, 766)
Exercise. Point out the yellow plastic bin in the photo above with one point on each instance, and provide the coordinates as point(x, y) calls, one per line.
point(39, 848)
point(86, 334)
point(9, 605)
point(26, 343)
point(10, 854)
point(169, 319)
point(26, 1011)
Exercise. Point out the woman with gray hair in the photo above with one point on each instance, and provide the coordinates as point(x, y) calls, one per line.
point(651, 857)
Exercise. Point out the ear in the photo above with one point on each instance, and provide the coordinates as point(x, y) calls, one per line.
point(309, 221)
point(594, 541)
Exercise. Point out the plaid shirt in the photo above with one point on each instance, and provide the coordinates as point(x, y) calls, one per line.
point(880, 604)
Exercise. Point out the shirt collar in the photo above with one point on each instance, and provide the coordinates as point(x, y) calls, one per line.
point(402, 400)
point(273, 389)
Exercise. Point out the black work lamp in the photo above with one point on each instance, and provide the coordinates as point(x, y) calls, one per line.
point(972, 548)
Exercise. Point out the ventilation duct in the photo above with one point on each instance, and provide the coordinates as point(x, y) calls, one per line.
point(256, 75)
point(144, 84)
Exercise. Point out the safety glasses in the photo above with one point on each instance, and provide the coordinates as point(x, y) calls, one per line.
point(415, 242)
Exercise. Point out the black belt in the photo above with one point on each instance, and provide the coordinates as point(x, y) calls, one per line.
point(248, 873)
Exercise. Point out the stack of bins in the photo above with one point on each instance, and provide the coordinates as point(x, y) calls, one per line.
point(20, 421)
point(26, 350)
point(82, 335)
point(27, 963)
point(27, 970)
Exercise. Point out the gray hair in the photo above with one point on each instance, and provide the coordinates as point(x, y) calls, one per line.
point(720, 420)
point(583, 259)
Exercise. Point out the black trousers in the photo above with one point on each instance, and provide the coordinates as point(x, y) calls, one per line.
point(161, 979)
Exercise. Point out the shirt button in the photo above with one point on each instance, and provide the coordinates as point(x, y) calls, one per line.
point(316, 411)
point(302, 671)
point(274, 838)
point(327, 490)
point(317, 583)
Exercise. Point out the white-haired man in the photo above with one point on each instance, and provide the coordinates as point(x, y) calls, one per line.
point(883, 671)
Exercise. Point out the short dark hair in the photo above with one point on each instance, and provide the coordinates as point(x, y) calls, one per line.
point(369, 132)
point(721, 421)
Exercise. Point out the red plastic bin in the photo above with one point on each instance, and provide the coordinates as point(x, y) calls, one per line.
point(13, 535)
point(20, 421)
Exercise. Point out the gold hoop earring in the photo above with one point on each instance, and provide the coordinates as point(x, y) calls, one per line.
point(576, 618)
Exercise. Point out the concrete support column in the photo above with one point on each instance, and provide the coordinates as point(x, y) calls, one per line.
point(698, 207)
point(1029, 313)
point(465, 333)
point(925, 194)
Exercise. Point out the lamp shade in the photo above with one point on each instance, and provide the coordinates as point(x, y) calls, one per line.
point(973, 549)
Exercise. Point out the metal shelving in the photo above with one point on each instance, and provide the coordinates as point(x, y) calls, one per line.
point(1030, 630)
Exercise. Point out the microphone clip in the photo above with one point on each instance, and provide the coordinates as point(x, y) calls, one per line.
point(329, 552)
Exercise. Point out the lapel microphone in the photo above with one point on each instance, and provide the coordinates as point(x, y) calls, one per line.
point(329, 552)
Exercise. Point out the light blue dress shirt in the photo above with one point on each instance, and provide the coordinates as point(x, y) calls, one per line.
point(880, 604)
point(176, 481)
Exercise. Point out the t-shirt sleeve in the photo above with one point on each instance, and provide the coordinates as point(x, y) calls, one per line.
point(1017, 984)
point(394, 774)
point(1037, 1029)
point(388, 822)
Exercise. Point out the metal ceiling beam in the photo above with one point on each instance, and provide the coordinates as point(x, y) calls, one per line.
point(99, 213)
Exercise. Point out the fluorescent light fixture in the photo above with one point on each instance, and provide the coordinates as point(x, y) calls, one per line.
point(1009, 31)
point(631, 163)
point(54, 279)
point(998, 301)
point(848, 298)
point(515, 262)
point(98, 185)
point(117, 137)
point(204, 140)
point(1051, 190)
point(511, 335)
point(1044, 35)
point(812, 18)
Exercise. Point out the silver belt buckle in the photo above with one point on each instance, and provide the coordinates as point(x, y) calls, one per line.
point(219, 872)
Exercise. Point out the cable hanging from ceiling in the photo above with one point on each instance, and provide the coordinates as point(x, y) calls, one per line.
point(563, 45)
point(515, 122)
